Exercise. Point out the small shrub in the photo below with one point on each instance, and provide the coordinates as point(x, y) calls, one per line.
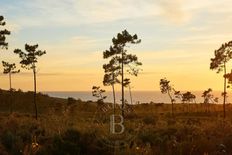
point(150, 120)
point(147, 136)
point(8, 139)
point(71, 100)
point(171, 121)
point(68, 143)
point(25, 136)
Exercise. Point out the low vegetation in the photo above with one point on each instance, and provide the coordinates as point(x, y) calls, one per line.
point(63, 128)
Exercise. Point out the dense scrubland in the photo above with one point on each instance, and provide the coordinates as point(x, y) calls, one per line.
point(63, 127)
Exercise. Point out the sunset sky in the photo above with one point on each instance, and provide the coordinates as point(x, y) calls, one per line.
point(178, 39)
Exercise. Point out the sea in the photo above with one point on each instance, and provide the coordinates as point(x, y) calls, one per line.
point(137, 96)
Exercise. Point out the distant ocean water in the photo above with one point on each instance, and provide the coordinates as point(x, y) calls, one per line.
point(137, 96)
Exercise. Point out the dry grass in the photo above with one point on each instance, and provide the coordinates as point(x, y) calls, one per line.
point(194, 129)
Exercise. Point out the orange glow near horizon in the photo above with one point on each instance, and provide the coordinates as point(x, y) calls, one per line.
point(177, 46)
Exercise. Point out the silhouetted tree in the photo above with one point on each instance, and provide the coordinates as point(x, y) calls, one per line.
point(10, 69)
point(127, 83)
point(3, 33)
point(99, 94)
point(121, 58)
point(216, 100)
point(178, 95)
point(29, 59)
point(166, 88)
point(221, 57)
point(188, 97)
point(209, 97)
point(110, 77)
point(228, 76)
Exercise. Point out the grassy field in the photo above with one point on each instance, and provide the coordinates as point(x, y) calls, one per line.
point(64, 128)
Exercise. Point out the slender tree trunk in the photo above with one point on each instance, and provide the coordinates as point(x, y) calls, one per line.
point(114, 97)
point(122, 84)
point(36, 112)
point(171, 102)
point(130, 94)
point(11, 106)
point(10, 80)
point(224, 95)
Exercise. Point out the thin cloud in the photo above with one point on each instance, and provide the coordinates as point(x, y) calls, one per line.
point(174, 11)
point(215, 39)
point(72, 12)
point(86, 41)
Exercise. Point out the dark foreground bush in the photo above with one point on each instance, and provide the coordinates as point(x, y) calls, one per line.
point(72, 142)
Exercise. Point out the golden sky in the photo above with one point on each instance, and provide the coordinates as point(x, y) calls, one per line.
point(178, 40)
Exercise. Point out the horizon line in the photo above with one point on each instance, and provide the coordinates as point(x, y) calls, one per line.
point(117, 90)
